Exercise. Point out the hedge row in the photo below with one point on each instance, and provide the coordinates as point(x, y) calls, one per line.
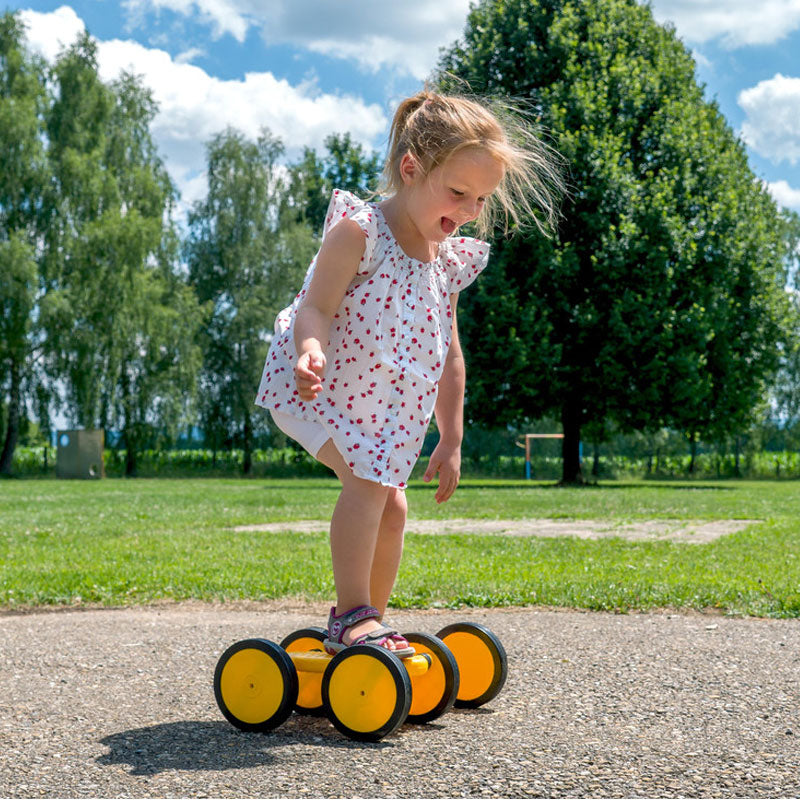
point(290, 462)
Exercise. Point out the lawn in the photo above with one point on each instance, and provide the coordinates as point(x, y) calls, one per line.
point(119, 542)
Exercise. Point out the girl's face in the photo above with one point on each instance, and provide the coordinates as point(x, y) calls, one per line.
point(452, 194)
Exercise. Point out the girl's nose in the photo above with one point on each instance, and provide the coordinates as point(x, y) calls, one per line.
point(471, 208)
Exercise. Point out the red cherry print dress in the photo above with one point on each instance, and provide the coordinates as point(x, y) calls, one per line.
point(388, 343)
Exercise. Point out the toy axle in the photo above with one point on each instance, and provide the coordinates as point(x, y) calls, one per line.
point(317, 661)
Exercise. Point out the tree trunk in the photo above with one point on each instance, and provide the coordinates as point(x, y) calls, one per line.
point(736, 471)
point(12, 427)
point(130, 426)
point(693, 451)
point(247, 463)
point(130, 454)
point(570, 448)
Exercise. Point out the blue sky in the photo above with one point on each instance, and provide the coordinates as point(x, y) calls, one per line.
point(306, 68)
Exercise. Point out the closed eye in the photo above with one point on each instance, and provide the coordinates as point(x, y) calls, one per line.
point(457, 193)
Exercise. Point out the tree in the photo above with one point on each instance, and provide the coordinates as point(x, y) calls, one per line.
point(659, 300)
point(246, 253)
point(18, 276)
point(23, 179)
point(785, 391)
point(313, 178)
point(122, 324)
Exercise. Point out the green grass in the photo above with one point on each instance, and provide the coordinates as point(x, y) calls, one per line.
point(118, 542)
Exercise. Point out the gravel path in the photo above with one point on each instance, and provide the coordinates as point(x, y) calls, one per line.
point(120, 703)
point(687, 531)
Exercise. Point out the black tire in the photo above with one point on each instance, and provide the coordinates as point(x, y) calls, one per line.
point(482, 662)
point(366, 692)
point(255, 685)
point(317, 634)
point(309, 698)
point(433, 693)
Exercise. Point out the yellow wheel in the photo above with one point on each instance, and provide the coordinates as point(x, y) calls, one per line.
point(255, 684)
point(366, 692)
point(309, 695)
point(482, 662)
point(434, 692)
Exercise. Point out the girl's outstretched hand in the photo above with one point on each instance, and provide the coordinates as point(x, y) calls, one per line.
point(446, 460)
point(309, 372)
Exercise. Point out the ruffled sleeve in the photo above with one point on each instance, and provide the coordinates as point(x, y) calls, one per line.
point(466, 259)
point(345, 205)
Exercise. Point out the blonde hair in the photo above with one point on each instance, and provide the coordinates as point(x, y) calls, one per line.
point(433, 127)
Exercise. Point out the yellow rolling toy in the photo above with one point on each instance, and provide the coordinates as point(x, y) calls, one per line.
point(365, 690)
point(481, 660)
point(255, 684)
point(309, 696)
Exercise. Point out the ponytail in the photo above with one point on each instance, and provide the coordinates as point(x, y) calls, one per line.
point(432, 127)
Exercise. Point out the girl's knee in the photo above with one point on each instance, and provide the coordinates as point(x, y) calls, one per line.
point(396, 507)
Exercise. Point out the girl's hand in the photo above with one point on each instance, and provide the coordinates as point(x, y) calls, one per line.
point(446, 460)
point(308, 373)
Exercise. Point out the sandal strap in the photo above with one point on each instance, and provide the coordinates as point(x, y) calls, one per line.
point(380, 636)
point(337, 625)
point(378, 633)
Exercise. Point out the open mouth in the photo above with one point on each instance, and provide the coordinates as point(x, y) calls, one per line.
point(448, 226)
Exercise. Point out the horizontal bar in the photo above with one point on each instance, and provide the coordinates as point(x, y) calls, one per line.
point(317, 661)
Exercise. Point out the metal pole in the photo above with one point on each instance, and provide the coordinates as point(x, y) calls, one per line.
point(527, 457)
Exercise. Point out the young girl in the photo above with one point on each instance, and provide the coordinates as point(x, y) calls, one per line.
point(369, 348)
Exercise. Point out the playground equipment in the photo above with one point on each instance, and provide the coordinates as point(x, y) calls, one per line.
point(527, 446)
point(365, 690)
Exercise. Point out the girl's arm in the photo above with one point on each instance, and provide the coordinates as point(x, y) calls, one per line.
point(449, 410)
point(337, 263)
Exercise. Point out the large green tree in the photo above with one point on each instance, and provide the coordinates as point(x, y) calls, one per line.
point(785, 391)
point(246, 252)
point(660, 299)
point(23, 182)
point(122, 323)
point(344, 165)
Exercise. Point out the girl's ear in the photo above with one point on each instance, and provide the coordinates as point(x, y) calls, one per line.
point(409, 168)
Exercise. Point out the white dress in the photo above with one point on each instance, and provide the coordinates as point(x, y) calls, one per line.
point(388, 344)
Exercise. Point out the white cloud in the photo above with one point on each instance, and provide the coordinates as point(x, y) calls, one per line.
point(193, 105)
point(187, 56)
point(785, 195)
point(222, 15)
point(735, 22)
point(772, 127)
point(700, 59)
point(404, 37)
point(48, 34)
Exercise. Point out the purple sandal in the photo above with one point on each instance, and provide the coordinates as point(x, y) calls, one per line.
point(338, 625)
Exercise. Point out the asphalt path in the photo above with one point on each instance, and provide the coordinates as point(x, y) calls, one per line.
point(119, 703)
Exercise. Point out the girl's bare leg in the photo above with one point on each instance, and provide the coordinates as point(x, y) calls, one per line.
point(354, 535)
point(388, 549)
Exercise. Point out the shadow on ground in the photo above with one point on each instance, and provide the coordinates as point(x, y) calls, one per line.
point(215, 746)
